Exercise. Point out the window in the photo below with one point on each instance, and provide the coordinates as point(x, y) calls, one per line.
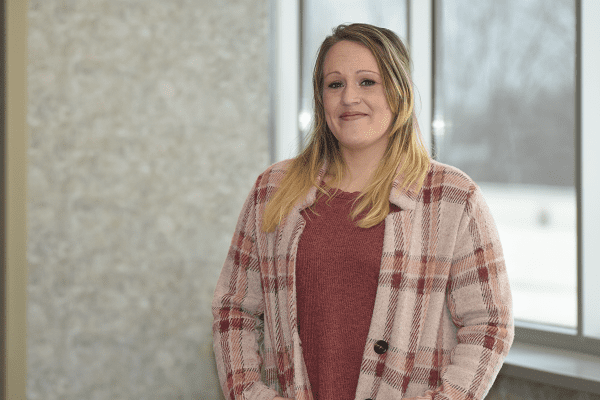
point(505, 114)
point(514, 104)
point(507, 111)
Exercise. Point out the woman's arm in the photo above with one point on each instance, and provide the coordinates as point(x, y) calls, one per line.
point(480, 303)
point(237, 306)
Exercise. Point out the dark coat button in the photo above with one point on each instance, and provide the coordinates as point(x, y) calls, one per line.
point(381, 346)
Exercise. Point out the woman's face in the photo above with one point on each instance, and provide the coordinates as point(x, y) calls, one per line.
point(356, 108)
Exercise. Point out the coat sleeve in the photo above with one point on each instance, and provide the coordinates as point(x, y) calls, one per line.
point(480, 303)
point(237, 311)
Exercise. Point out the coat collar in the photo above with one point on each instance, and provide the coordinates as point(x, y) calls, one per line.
point(405, 198)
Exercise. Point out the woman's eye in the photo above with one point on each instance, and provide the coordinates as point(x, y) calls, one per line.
point(367, 82)
point(335, 85)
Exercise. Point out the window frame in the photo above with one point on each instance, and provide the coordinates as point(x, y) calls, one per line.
point(285, 62)
point(588, 77)
point(579, 339)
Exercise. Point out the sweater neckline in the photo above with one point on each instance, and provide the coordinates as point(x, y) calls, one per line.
point(339, 192)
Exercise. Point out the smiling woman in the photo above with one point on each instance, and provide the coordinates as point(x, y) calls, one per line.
point(361, 268)
point(403, 137)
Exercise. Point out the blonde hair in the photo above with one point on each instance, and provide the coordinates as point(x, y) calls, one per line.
point(405, 154)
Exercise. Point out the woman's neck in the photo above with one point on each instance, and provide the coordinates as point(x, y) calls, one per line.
point(360, 167)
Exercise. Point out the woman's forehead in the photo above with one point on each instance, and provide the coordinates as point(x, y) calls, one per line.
point(346, 56)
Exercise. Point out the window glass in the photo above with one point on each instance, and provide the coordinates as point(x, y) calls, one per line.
point(321, 16)
point(505, 114)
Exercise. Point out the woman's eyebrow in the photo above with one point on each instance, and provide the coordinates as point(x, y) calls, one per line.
point(358, 72)
point(367, 70)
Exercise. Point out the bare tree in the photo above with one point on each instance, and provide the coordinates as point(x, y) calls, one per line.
point(506, 89)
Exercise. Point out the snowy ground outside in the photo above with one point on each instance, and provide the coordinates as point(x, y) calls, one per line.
point(538, 230)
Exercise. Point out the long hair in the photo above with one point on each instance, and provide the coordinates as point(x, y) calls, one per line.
point(405, 154)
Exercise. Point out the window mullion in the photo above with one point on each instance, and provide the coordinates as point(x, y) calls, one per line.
point(590, 166)
point(286, 69)
point(421, 40)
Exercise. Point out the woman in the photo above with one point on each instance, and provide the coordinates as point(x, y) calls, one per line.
point(362, 269)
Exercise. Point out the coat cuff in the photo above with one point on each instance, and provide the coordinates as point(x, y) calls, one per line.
point(260, 391)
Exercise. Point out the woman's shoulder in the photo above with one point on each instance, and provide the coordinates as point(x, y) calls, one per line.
point(280, 166)
point(273, 175)
point(447, 183)
point(441, 174)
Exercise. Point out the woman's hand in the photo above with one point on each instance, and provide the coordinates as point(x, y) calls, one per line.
point(281, 398)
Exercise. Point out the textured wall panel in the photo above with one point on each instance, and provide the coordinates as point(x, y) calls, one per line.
point(148, 127)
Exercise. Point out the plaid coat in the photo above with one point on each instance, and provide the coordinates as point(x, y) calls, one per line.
point(442, 322)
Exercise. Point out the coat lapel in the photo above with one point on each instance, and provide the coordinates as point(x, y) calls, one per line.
point(287, 238)
point(398, 306)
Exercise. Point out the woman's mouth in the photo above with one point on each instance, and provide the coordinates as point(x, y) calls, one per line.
point(350, 116)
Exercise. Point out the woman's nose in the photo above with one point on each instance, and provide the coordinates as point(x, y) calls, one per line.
point(350, 95)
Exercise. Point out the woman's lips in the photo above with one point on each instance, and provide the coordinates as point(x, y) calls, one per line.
point(350, 116)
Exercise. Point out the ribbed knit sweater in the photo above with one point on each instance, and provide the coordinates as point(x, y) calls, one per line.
point(334, 253)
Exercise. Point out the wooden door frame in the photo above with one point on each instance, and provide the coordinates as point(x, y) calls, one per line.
point(13, 199)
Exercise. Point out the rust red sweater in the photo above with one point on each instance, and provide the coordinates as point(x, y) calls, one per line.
point(332, 253)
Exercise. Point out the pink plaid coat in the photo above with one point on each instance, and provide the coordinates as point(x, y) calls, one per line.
point(442, 322)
